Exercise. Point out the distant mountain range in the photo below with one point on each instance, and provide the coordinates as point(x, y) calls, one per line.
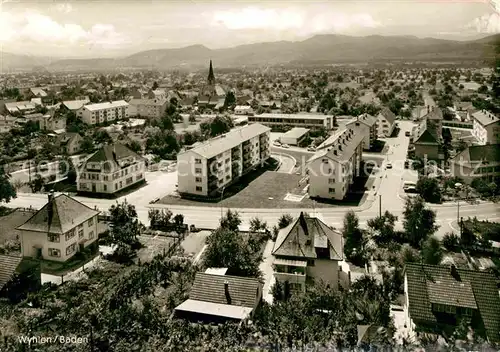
point(320, 49)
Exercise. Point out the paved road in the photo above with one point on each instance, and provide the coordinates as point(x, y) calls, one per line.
point(287, 162)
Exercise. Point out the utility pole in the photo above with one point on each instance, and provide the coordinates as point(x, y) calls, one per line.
point(380, 205)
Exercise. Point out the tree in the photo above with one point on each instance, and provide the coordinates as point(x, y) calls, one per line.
point(134, 146)
point(483, 89)
point(7, 191)
point(429, 189)
point(419, 222)
point(451, 241)
point(257, 225)
point(155, 85)
point(217, 126)
point(125, 228)
point(432, 253)
point(467, 235)
point(166, 123)
point(36, 184)
point(354, 247)
point(229, 100)
point(384, 227)
point(231, 220)
point(284, 221)
point(87, 145)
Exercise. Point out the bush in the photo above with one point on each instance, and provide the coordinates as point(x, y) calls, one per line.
point(451, 241)
point(284, 221)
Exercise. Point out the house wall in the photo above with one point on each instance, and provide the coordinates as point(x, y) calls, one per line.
point(112, 182)
point(326, 270)
point(30, 239)
point(384, 127)
point(93, 117)
point(431, 151)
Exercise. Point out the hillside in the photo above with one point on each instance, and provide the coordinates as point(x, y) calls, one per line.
point(320, 48)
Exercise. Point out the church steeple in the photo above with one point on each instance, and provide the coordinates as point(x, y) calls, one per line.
point(211, 77)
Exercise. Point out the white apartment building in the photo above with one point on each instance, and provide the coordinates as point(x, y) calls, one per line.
point(331, 170)
point(150, 108)
point(485, 127)
point(367, 124)
point(111, 169)
point(59, 230)
point(104, 112)
point(293, 120)
point(209, 167)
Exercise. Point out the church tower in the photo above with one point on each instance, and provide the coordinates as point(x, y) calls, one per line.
point(211, 77)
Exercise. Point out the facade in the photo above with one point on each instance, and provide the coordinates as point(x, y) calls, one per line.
point(220, 298)
point(477, 162)
point(295, 136)
point(293, 120)
point(70, 143)
point(209, 167)
point(307, 249)
point(150, 108)
point(111, 169)
point(76, 105)
point(243, 110)
point(367, 125)
point(331, 170)
point(104, 112)
point(51, 122)
point(386, 121)
point(59, 230)
point(437, 298)
point(485, 127)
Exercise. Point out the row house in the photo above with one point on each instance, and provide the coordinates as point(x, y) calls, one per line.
point(104, 112)
point(111, 169)
point(331, 170)
point(209, 167)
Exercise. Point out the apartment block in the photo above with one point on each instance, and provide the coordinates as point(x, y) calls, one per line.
point(150, 108)
point(485, 127)
point(104, 112)
point(59, 230)
point(386, 121)
point(209, 167)
point(331, 170)
point(111, 169)
point(367, 124)
point(293, 120)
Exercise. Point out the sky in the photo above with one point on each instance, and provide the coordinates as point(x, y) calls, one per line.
point(112, 28)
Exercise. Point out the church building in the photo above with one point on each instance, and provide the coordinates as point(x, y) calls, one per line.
point(212, 95)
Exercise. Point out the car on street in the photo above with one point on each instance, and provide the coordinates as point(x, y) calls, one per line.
point(409, 187)
point(407, 164)
point(277, 144)
point(285, 146)
point(311, 149)
point(388, 166)
point(407, 133)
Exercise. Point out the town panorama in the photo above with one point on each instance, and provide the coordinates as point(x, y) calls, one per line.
point(261, 185)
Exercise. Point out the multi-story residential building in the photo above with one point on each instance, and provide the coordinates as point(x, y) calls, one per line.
point(331, 170)
point(386, 121)
point(367, 124)
point(477, 162)
point(150, 108)
point(293, 120)
point(111, 169)
point(485, 127)
point(307, 249)
point(438, 298)
point(60, 229)
point(76, 105)
point(209, 167)
point(427, 137)
point(104, 112)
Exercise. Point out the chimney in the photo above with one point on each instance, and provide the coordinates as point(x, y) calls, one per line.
point(50, 208)
point(303, 223)
point(454, 272)
point(335, 152)
point(226, 292)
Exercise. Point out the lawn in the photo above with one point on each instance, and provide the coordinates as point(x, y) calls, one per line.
point(9, 222)
point(490, 230)
point(57, 268)
point(153, 245)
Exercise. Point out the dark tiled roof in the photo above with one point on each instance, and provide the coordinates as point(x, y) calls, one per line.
point(8, 267)
point(111, 153)
point(434, 114)
point(477, 153)
point(301, 238)
point(243, 291)
point(67, 213)
point(388, 114)
point(429, 284)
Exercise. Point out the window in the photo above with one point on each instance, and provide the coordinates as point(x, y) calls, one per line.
point(467, 312)
point(450, 309)
point(331, 180)
point(197, 170)
point(70, 234)
point(228, 177)
point(199, 189)
point(116, 186)
point(227, 160)
point(91, 234)
point(80, 233)
point(197, 161)
point(105, 188)
point(53, 238)
point(198, 179)
point(54, 252)
point(90, 222)
point(331, 190)
point(139, 177)
point(70, 249)
point(105, 177)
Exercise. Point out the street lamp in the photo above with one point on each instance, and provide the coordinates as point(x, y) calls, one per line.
point(458, 187)
point(221, 197)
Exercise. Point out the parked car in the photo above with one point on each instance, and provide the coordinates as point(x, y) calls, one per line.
point(311, 149)
point(285, 146)
point(407, 133)
point(407, 164)
point(277, 143)
point(388, 166)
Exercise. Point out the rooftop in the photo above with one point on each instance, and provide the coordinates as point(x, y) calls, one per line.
point(304, 236)
point(428, 284)
point(485, 117)
point(296, 132)
point(229, 140)
point(294, 116)
point(112, 153)
point(8, 267)
point(388, 114)
point(106, 105)
point(479, 153)
point(75, 104)
point(365, 119)
point(340, 146)
point(58, 216)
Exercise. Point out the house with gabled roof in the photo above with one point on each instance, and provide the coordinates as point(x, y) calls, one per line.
point(477, 162)
point(215, 297)
point(438, 298)
point(59, 230)
point(366, 124)
point(386, 121)
point(307, 249)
